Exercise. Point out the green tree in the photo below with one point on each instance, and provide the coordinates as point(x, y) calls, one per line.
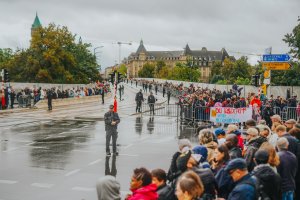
point(6, 55)
point(293, 40)
point(147, 71)
point(242, 81)
point(184, 73)
point(54, 56)
point(159, 65)
point(216, 78)
point(123, 69)
point(164, 72)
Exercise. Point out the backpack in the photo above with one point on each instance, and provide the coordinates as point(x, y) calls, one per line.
point(259, 188)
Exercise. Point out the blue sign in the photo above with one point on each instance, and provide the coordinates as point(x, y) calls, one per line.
point(276, 58)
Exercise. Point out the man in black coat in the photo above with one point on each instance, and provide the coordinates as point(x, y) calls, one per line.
point(111, 120)
point(159, 178)
point(49, 97)
point(139, 98)
point(151, 102)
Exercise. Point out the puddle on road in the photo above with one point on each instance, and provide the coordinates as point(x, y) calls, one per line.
point(53, 141)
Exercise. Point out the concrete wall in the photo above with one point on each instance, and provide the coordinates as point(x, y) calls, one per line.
point(275, 90)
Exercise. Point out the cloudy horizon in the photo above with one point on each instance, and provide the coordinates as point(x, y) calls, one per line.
point(241, 27)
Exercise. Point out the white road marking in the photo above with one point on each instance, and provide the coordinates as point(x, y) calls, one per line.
point(94, 162)
point(126, 147)
point(30, 143)
point(84, 189)
point(8, 182)
point(72, 172)
point(42, 185)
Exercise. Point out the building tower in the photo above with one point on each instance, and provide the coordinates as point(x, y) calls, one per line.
point(36, 25)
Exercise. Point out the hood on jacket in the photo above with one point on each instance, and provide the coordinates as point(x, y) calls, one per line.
point(147, 192)
point(108, 188)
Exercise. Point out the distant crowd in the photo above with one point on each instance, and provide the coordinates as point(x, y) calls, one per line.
point(28, 96)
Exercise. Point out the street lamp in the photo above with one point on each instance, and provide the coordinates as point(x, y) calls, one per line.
point(120, 43)
point(97, 48)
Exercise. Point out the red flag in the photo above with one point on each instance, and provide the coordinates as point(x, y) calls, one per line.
point(115, 105)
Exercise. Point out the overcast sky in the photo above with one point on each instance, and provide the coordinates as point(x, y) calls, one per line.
point(246, 26)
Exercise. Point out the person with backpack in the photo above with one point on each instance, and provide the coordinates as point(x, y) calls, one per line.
point(269, 180)
point(245, 184)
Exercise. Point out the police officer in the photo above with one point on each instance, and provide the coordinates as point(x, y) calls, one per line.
point(139, 98)
point(111, 120)
point(169, 96)
point(49, 97)
point(156, 88)
point(151, 102)
point(164, 91)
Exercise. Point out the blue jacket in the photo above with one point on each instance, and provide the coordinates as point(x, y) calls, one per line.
point(242, 190)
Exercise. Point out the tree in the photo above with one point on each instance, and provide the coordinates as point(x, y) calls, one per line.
point(184, 73)
point(159, 65)
point(147, 71)
point(293, 40)
point(5, 56)
point(164, 72)
point(123, 69)
point(54, 57)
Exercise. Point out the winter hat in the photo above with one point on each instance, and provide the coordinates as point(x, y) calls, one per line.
point(237, 132)
point(261, 156)
point(184, 145)
point(237, 163)
point(219, 131)
point(108, 188)
point(201, 150)
point(182, 160)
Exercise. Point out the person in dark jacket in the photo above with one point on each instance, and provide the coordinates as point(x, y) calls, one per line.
point(111, 120)
point(151, 102)
point(159, 178)
point(232, 145)
point(269, 180)
point(244, 183)
point(169, 96)
point(287, 168)
point(267, 113)
point(293, 142)
point(253, 145)
point(139, 98)
point(49, 97)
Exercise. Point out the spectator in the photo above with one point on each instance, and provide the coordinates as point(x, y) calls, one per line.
point(287, 169)
point(244, 184)
point(108, 188)
point(269, 180)
point(232, 145)
point(273, 156)
point(253, 145)
point(159, 178)
point(290, 124)
point(221, 157)
point(293, 143)
point(276, 121)
point(220, 134)
point(234, 129)
point(202, 151)
point(189, 186)
point(141, 186)
point(206, 138)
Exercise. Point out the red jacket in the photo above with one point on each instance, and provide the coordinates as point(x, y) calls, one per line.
point(147, 192)
point(255, 101)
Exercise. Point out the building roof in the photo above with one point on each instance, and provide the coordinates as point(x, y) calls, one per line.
point(202, 54)
point(141, 48)
point(36, 23)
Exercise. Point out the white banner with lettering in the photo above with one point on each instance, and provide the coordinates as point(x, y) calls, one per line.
point(230, 115)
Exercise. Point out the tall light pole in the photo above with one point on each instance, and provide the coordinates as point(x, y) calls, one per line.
point(120, 43)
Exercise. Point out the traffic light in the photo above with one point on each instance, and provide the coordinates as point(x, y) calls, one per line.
point(119, 77)
point(112, 78)
point(255, 80)
point(6, 76)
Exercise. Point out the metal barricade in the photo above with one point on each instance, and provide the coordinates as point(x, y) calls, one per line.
point(161, 109)
point(291, 113)
point(24, 101)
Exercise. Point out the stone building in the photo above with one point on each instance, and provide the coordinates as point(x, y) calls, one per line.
point(200, 58)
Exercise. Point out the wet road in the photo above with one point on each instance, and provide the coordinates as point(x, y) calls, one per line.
point(51, 155)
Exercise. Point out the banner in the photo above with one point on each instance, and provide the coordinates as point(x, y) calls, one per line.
point(230, 115)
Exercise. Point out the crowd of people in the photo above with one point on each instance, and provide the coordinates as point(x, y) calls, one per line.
point(196, 101)
point(260, 162)
point(29, 96)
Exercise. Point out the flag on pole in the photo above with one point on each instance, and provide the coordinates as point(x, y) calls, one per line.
point(115, 105)
point(268, 50)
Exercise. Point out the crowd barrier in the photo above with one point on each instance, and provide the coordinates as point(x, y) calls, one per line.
point(187, 112)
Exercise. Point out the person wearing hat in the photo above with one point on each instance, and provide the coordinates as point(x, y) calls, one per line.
point(244, 183)
point(139, 98)
point(111, 120)
point(220, 134)
point(290, 124)
point(269, 180)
